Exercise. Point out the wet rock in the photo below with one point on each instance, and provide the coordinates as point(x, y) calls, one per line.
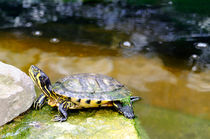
point(86, 123)
point(205, 24)
point(139, 40)
point(193, 61)
point(16, 92)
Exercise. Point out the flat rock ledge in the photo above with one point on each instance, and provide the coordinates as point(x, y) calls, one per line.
point(88, 124)
point(16, 92)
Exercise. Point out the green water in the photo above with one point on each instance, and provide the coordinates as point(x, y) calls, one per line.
point(164, 124)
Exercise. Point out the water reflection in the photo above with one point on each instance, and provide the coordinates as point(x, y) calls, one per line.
point(148, 77)
point(199, 82)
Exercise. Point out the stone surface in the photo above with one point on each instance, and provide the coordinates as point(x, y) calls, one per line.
point(16, 92)
point(91, 124)
point(86, 123)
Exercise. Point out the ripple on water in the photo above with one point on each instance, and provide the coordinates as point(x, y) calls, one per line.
point(54, 40)
point(37, 33)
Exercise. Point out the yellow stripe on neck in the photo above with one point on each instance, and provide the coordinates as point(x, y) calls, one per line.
point(51, 94)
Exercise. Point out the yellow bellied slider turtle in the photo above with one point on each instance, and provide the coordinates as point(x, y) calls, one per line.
point(84, 90)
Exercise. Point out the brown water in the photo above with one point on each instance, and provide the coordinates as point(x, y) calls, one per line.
point(175, 101)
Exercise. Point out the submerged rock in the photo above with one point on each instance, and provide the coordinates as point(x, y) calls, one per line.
point(16, 92)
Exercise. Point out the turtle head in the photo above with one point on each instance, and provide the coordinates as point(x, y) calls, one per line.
point(38, 76)
point(40, 79)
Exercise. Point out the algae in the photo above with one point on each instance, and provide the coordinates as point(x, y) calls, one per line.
point(86, 123)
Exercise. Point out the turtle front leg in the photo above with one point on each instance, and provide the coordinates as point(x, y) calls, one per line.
point(62, 116)
point(39, 103)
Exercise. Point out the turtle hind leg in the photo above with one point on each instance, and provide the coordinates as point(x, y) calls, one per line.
point(39, 103)
point(62, 116)
point(126, 110)
point(135, 98)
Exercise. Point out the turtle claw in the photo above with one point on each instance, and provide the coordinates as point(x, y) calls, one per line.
point(62, 116)
point(59, 118)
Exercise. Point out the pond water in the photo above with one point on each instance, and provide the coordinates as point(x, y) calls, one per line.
point(157, 61)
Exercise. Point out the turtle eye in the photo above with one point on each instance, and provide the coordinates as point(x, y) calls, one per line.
point(36, 70)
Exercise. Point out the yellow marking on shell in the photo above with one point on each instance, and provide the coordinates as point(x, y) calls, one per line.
point(74, 100)
point(106, 103)
point(84, 104)
point(92, 104)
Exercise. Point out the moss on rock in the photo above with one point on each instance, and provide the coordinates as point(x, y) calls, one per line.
point(88, 123)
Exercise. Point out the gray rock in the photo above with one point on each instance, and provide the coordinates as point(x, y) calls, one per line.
point(16, 92)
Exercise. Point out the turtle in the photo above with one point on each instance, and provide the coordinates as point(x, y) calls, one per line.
point(83, 90)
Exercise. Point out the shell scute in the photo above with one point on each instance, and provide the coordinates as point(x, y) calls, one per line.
point(91, 86)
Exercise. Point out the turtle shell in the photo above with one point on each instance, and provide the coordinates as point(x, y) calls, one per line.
point(91, 86)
